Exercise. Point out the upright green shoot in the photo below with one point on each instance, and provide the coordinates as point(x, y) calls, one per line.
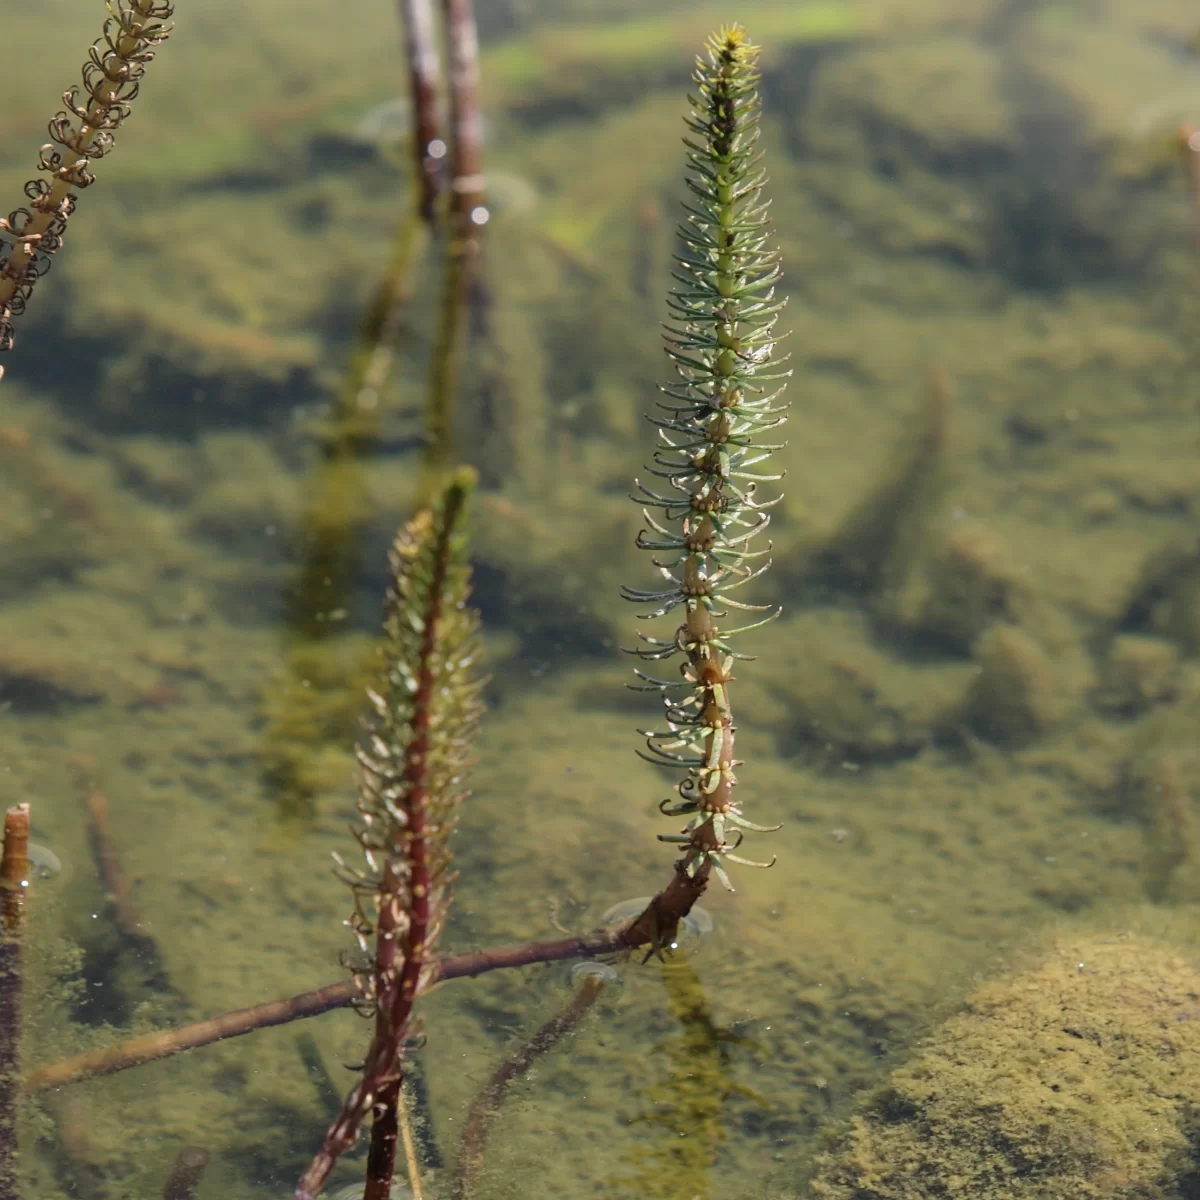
point(705, 519)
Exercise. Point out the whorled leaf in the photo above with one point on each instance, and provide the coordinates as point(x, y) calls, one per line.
point(705, 518)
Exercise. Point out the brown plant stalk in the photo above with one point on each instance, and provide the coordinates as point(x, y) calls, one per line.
point(466, 156)
point(485, 1108)
point(467, 217)
point(424, 71)
point(14, 880)
point(117, 887)
point(662, 914)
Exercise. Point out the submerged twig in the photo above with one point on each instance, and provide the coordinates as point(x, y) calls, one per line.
point(663, 913)
point(117, 888)
point(186, 1174)
point(486, 1106)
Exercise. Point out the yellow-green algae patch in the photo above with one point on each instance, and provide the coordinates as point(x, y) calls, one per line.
point(1072, 1076)
point(656, 40)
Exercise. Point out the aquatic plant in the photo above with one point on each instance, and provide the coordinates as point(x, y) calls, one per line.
point(709, 517)
point(411, 785)
point(338, 508)
point(112, 76)
point(425, 707)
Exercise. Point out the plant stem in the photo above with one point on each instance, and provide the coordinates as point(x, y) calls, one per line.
point(165, 1042)
point(662, 914)
point(702, 528)
point(381, 1157)
point(409, 790)
point(462, 53)
point(466, 220)
point(416, 18)
point(14, 880)
point(486, 1106)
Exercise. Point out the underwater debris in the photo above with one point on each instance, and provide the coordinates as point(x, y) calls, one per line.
point(186, 1174)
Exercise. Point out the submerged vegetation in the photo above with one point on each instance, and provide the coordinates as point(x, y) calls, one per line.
point(975, 714)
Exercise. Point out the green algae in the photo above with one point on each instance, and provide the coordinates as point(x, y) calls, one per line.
point(596, 54)
point(1067, 1077)
point(930, 818)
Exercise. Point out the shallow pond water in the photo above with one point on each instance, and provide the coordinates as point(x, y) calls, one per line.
point(975, 717)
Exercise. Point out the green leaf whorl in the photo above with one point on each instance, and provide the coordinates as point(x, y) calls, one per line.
point(704, 519)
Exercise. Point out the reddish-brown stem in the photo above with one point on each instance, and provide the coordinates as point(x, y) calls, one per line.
point(416, 16)
point(467, 218)
point(385, 1130)
point(186, 1173)
point(116, 883)
point(486, 1106)
point(165, 1042)
point(467, 182)
point(405, 899)
point(14, 879)
point(654, 927)
point(1188, 136)
point(14, 868)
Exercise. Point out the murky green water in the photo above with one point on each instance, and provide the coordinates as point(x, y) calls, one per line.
point(976, 717)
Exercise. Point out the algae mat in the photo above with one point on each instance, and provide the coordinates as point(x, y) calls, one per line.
point(976, 717)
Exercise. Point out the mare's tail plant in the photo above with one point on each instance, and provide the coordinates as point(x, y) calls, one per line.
point(705, 517)
point(83, 132)
point(422, 721)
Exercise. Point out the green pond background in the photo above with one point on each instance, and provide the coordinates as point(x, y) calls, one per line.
point(976, 717)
